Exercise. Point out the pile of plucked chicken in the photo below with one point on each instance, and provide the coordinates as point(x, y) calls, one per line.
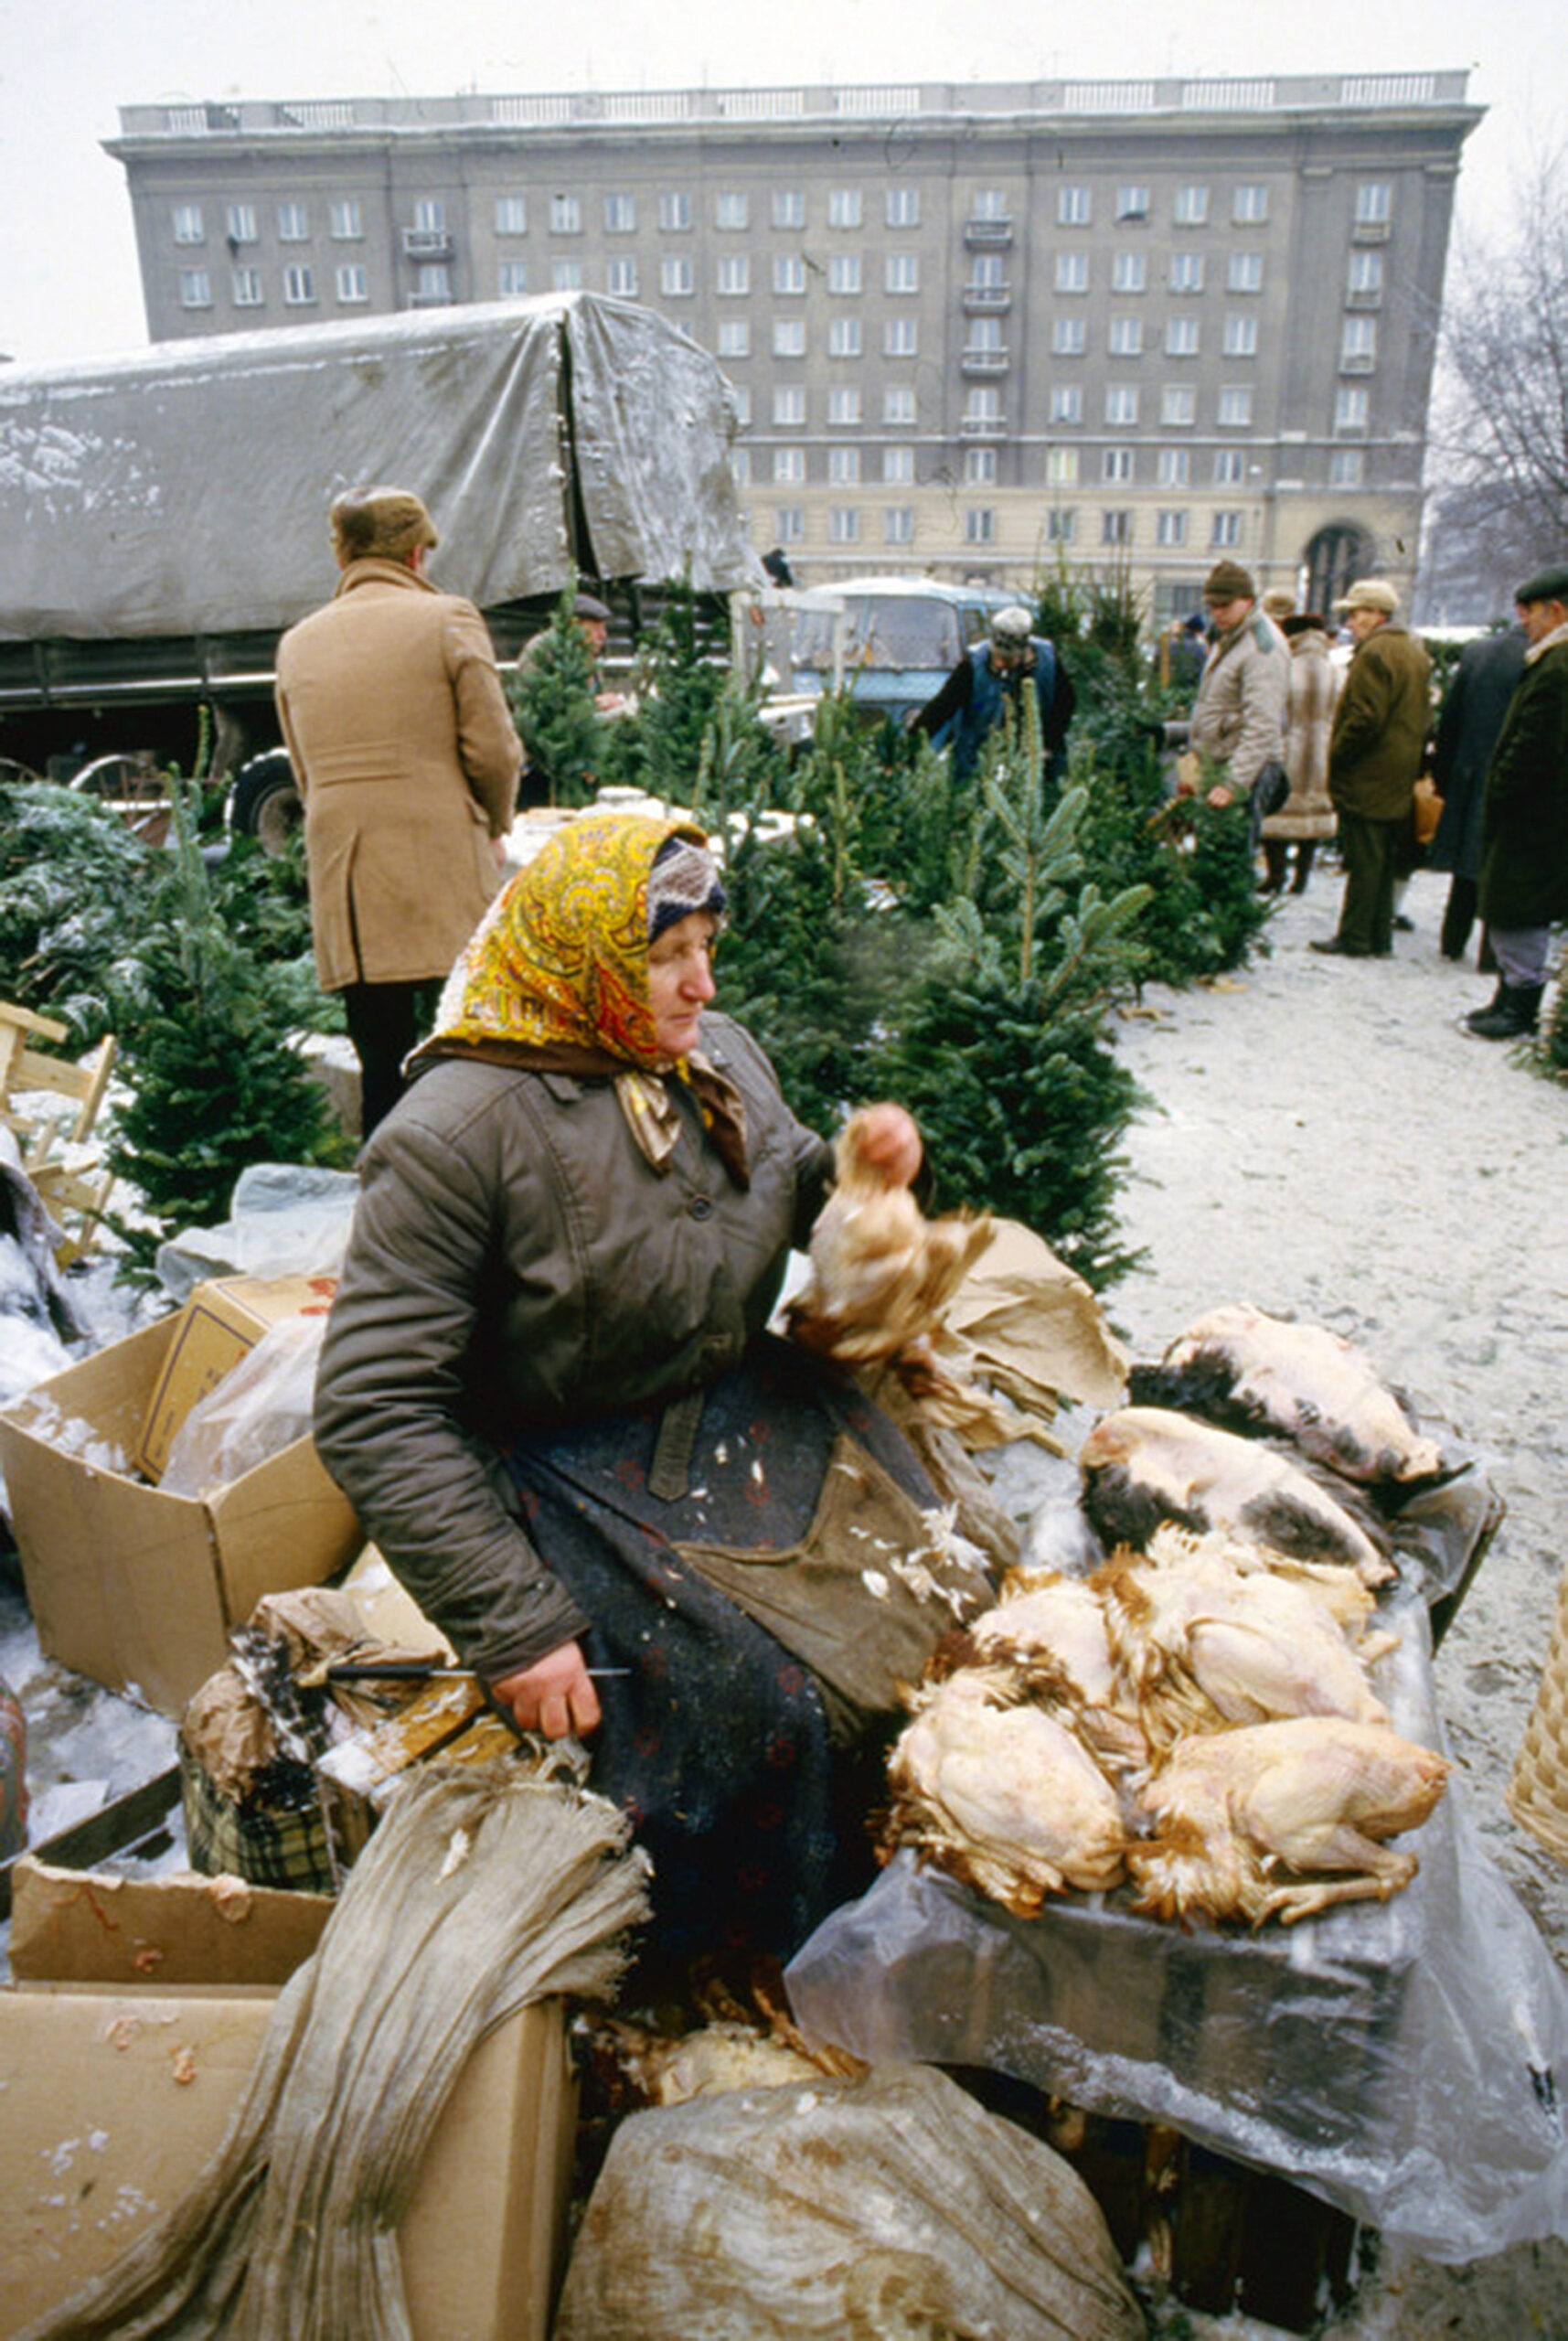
point(1198, 1722)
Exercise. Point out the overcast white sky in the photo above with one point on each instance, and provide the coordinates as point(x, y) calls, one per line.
point(68, 269)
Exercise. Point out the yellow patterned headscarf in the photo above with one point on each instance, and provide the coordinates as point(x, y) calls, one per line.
point(561, 959)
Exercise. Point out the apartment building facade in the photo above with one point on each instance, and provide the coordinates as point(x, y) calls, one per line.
point(973, 330)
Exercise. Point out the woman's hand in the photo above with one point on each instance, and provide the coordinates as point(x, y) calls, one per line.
point(555, 1695)
point(887, 1140)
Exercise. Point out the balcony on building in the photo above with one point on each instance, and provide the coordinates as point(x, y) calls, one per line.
point(427, 243)
point(981, 426)
point(986, 300)
point(984, 361)
point(987, 235)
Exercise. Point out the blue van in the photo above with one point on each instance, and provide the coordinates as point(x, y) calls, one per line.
point(893, 640)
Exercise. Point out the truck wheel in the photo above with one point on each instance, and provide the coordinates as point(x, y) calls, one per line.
point(136, 786)
point(265, 804)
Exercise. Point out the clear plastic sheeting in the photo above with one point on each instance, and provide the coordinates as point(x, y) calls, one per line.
point(569, 432)
point(287, 1219)
point(1406, 2062)
point(261, 1406)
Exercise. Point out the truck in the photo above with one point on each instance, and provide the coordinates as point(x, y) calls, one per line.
point(164, 514)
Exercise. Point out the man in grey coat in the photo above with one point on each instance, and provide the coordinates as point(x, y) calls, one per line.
point(1237, 724)
point(1524, 833)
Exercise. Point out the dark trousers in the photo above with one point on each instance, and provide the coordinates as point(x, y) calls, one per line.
point(1277, 852)
point(384, 1022)
point(1459, 915)
point(1369, 852)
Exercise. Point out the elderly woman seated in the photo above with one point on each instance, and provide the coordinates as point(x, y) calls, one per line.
point(548, 1388)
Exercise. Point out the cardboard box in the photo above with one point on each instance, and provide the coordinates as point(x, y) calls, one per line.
point(220, 1321)
point(116, 2099)
point(137, 1588)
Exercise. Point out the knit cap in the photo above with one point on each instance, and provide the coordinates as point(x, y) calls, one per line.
point(683, 878)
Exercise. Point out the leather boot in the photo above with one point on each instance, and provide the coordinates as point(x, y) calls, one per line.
point(1511, 1014)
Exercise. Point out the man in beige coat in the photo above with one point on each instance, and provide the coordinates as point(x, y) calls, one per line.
point(407, 759)
point(1375, 751)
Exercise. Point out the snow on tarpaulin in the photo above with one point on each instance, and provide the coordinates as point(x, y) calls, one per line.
point(183, 490)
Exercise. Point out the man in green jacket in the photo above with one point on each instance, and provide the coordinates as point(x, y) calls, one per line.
point(1524, 821)
point(1374, 761)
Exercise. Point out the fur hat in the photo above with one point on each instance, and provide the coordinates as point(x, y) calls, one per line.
point(1279, 604)
point(1229, 582)
point(1305, 622)
point(1546, 586)
point(1011, 628)
point(1371, 593)
point(380, 524)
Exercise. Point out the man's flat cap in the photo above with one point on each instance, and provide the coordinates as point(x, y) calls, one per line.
point(1546, 586)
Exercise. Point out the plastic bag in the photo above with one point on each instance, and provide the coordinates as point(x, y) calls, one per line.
point(261, 1406)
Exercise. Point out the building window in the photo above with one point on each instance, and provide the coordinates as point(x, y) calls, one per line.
point(621, 278)
point(734, 279)
point(1347, 467)
point(674, 214)
point(901, 272)
point(844, 273)
point(1178, 407)
point(1241, 337)
point(898, 405)
point(1191, 207)
point(985, 337)
point(789, 275)
point(843, 525)
point(789, 207)
point(1061, 467)
point(1126, 337)
point(1129, 271)
point(346, 221)
point(1365, 282)
point(1059, 525)
point(1069, 336)
point(897, 525)
point(844, 207)
point(299, 286)
point(843, 409)
point(248, 288)
point(731, 210)
point(1121, 404)
point(1226, 532)
point(294, 224)
point(979, 525)
point(1132, 203)
point(741, 394)
point(789, 336)
point(432, 283)
point(1072, 207)
point(511, 215)
point(844, 466)
point(196, 289)
point(188, 229)
point(903, 206)
point(1353, 411)
point(843, 338)
point(789, 524)
point(353, 285)
point(1066, 402)
point(983, 406)
point(1116, 466)
point(979, 466)
point(566, 275)
point(1245, 272)
point(620, 215)
point(1250, 202)
point(789, 404)
point(675, 277)
point(789, 466)
point(430, 216)
point(1116, 527)
point(741, 464)
point(1186, 272)
point(899, 337)
point(1170, 528)
point(1181, 338)
point(240, 226)
point(1072, 272)
point(1234, 410)
point(734, 335)
point(1175, 466)
point(1374, 203)
point(513, 279)
point(1230, 468)
point(898, 466)
point(566, 215)
point(1358, 346)
point(989, 203)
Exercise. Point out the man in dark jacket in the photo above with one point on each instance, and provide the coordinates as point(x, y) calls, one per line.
point(1524, 826)
point(985, 688)
point(1374, 761)
point(1472, 709)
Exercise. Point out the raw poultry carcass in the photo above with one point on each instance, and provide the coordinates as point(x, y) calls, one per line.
point(1304, 1381)
point(1001, 1795)
point(1063, 1619)
point(1203, 1642)
point(1282, 1819)
point(1146, 1464)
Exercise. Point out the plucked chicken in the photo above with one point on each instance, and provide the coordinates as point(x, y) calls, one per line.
point(1062, 1619)
point(1310, 1384)
point(1282, 1819)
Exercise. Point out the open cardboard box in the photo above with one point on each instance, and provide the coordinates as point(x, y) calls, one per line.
point(116, 2097)
point(136, 1588)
